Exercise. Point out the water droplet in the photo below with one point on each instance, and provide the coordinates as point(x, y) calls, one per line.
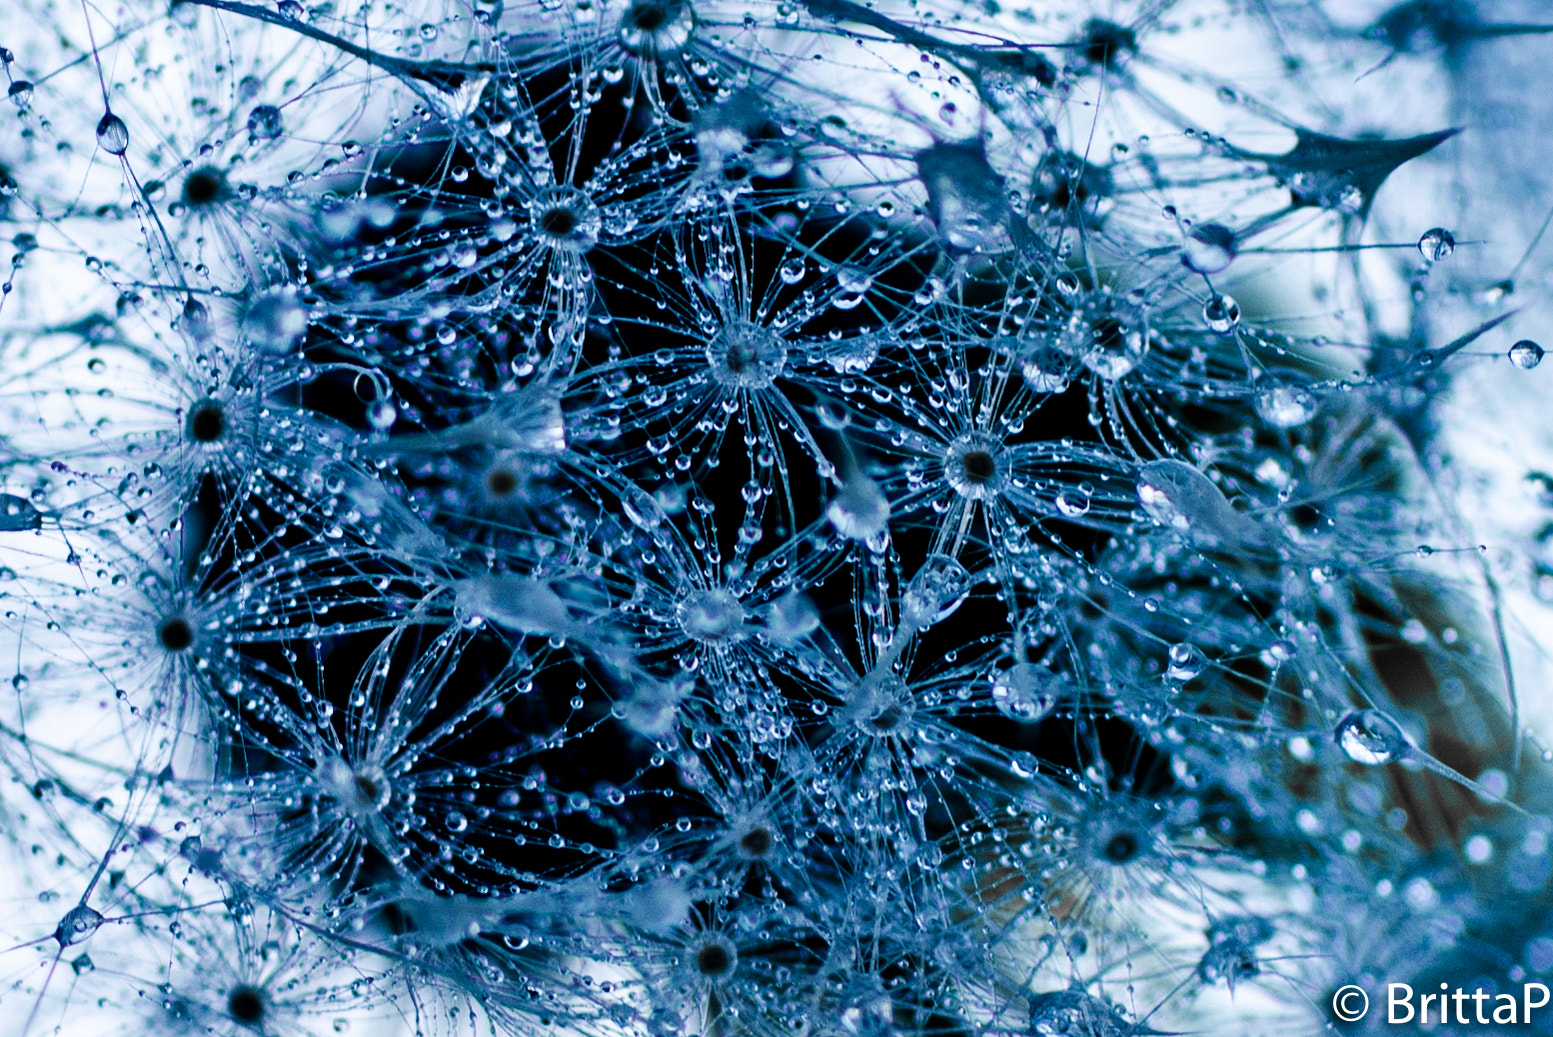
point(1067, 1013)
point(658, 28)
point(860, 511)
point(1285, 406)
point(1178, 496)
point(854, 279)
point(1221, 313)
point(1370, 737)
point(1074, 501)
point(935, 591)
point(1526, 354)
point(712, 616)
point(275, 321)
point(456, 821)
point(78, 924)
point(1209, 249)
point(17, 514)
point(428, 32)
point(112, 134)
point(264, 122)
point(291, 10)
point(20, 93)
point(382, 414)
point(791, 271)
point(1187, 662)
point(1026, 692)
point(1436, 244)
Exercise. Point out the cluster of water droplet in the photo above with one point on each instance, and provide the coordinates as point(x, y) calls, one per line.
point(660, 517)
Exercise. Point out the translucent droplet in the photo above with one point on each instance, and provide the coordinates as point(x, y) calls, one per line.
point(291, 10)
point(860, 511)
point(20, 93)
point(456, 821)
point(1436, 244)
point(853, 279)
point(1046, 369)
point(967, 199)
point(78, 924)
point(1526, 354)
point(1178, 496)
point(1187, 662)
point(656, 27)
point(712, 616)
point(17, 514)
point(275, 321)
point(1209, 248)
point(1221, 313)
point(1074, 501)
point(792, 271)
point(264, 122)
point(1071, 1013)
point(382, 414)
point(1370, 737)
point(1285, 406)
point(935, 591)
point(1026, 692)
point(428, 32)
point(112, 134)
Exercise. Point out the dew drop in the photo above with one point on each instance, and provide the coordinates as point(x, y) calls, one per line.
point(1436, 244)
point(1209, 249)
point(1187, 662)
point(112, 134)
point(1221, 313)
point(1526, 354)
point(1026, 692)
point(1370, 737)
point(264, 122)
point(1285, 406)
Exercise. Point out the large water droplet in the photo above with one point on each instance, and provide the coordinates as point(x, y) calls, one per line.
point(275, 321)
point(1285, 406)
point(1526, 354)
point(712, 616)
point(112, 134)
point(1176, 495)
point(78, 924)
point(1370, 737)
point(264, 122)
point(935, 591)
point(860, 511)
point(1209, 249)
point(1026, 692)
